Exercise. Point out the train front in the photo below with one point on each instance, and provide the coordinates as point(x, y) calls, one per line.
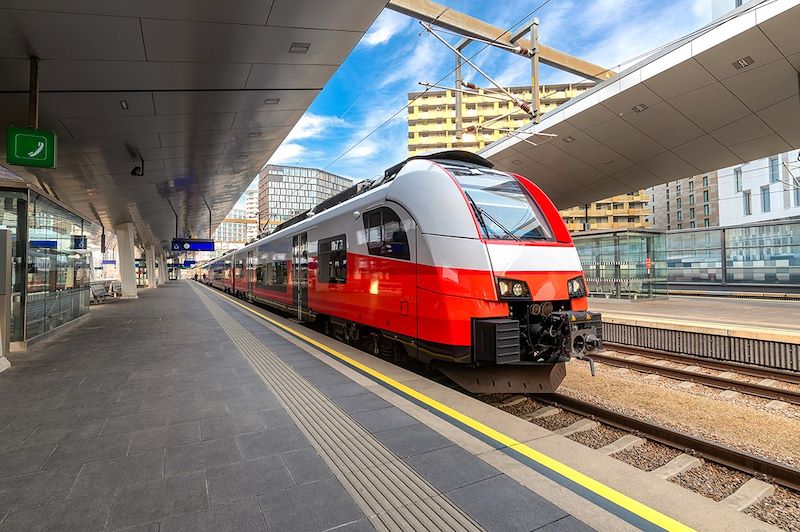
point(538, 274)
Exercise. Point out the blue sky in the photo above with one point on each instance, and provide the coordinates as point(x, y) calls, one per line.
point(395, 54)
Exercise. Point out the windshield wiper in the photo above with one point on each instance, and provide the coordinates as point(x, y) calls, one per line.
point(480, 213)
point(498, 224)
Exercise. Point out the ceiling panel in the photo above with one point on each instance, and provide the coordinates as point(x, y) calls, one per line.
point(624, 102)
point(183, 102)
point(626, 140)
point(242, 12)
point(265, 119)
point(50, 35)
point(682, 78)
point(783, 118)
point(289, 76)
point(171, 40)
point(751, 43)
point(760, 87)
point(698, 105)
point(669, 166)
point(706, 154)
point(744, 129)
point(325, 15)
point(91, 127)
point(664, 124)
point(755, 148)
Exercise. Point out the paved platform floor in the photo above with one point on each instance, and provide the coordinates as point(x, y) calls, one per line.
point(779, 315)
point(177, 411)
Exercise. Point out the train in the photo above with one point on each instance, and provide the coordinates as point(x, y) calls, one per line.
point(443, 260)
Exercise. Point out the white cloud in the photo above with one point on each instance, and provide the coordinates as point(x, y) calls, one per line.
point(428, 56)
point(388, 24)
point(312, 125)
point(288, 152)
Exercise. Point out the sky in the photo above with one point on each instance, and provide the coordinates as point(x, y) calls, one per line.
point(371, 87)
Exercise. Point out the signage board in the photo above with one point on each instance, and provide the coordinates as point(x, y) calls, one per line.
point(31, 147)
point(189, 263)
point(192, 244)
point(78, 241)
point(111, 262)
point(48, 244)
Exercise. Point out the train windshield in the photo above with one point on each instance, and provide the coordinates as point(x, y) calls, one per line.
point(503, 209)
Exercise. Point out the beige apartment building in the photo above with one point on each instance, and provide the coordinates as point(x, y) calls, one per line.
point(432, 125)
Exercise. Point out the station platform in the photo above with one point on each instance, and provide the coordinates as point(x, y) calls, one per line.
point(185, 409)
point(745, 318)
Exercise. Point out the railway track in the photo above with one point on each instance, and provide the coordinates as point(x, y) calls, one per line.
point(748, 463)
point(765, 390)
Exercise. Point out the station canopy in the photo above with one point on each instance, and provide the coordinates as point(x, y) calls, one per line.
point(203, 91)
point(722, 96)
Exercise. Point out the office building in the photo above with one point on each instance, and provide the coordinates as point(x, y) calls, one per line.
point(284, 191)
point(761, 190)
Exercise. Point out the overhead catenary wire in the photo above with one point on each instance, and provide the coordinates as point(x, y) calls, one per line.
point(451, 71)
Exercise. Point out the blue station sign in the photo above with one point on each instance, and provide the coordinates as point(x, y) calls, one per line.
point(192, 244)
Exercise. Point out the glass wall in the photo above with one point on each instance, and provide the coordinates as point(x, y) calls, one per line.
point(763, 255)
point(694, 256)
point(624, 264)
point(58, 267)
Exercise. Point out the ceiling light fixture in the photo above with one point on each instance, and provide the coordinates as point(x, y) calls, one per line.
point(743, 62)
point(569, 139)
point(639, 108)
point(254, 134)
point(299, 47)
point(516, 161)
point(271, 101)
point(124, 104)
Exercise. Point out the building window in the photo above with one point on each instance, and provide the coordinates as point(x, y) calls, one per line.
point(748, 208)
point(332, 260)
point(774, 170)
point(691, 185)
point(765, 198)
point(707, 210)
point(797, 195)
point(667, 192)
point(737, 177)
point(692, 225)
point(706, 223)
point(385, 234)
point(678, 203)
point(691, 212)
point(705, 196)
point(680, 226)
point(691, 199)
point(677, 189)
point(680, 215)
point(705, 180)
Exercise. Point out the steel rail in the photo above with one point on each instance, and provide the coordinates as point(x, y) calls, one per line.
point(791, 377)
point(751, 464)
point(759, 390)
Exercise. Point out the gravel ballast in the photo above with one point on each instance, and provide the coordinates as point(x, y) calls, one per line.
point(648, 456)
point(598, 437)
point(711, 480)
point(781, 509)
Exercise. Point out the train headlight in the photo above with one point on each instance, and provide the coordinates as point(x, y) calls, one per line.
point(576, 288)
point(513, 289)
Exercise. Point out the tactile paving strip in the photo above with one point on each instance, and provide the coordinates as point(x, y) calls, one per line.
point(391, 494)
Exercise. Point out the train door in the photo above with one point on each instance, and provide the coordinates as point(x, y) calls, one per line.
point(251, 274)
point(300, 273)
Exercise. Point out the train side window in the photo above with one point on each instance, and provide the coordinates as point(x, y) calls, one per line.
point(332, 260)
point(385, 234)
point(272, 276)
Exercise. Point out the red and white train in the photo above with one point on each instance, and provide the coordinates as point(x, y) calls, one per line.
point(443, 260)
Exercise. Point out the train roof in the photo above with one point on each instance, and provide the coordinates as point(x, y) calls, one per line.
point(457, 157)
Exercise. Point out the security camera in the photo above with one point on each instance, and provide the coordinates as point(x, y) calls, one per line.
point(137, 170)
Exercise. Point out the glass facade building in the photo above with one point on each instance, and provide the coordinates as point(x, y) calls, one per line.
point(284, 191)
point(50, 261)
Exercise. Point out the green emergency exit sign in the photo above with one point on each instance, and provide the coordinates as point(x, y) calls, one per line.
point(31, 147)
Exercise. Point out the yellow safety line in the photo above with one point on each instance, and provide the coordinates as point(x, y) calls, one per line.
point(608, 493)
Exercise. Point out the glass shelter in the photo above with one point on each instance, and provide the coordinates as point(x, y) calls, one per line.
point(50, 263)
